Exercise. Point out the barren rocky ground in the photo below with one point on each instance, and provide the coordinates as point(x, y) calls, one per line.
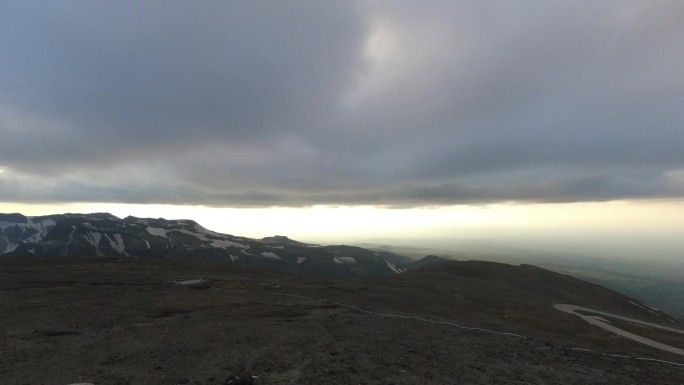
point(120, 321)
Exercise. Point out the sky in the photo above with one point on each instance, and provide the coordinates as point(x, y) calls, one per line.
point(410, 116)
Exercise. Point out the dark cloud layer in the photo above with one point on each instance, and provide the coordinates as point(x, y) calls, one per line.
point(309, 102)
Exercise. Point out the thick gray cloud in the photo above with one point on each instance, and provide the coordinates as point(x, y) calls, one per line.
point(309, 102)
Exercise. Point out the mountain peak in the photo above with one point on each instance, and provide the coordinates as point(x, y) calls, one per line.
point(14, 217)
point(282, 240)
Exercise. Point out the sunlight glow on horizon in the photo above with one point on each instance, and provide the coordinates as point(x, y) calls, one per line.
point(365, 222)
point(617, 223)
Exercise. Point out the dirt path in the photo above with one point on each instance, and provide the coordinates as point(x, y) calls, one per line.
point(604, 324)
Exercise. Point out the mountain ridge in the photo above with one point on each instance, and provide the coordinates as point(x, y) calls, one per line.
point(105, 235)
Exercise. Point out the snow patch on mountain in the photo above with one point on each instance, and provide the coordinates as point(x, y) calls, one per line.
point(41, 228)
point(347, 260)
point(270, 254)
point(10, 247)
point(157, 231)
point(393, 267)
point(244, 251)
point(93, 238)
point(117, 243)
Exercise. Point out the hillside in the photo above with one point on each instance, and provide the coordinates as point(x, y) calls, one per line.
point(122, 321)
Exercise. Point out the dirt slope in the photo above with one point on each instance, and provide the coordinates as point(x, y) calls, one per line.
point(121, 322)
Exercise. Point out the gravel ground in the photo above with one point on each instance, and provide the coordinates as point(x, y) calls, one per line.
point(121, 322)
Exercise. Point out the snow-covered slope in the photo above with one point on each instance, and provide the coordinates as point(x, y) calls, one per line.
point(16, 228)
point(105, 235)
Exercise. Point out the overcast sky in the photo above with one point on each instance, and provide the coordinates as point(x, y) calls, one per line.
point(294, 103)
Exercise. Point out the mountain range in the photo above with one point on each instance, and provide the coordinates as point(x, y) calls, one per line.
point(103, 234)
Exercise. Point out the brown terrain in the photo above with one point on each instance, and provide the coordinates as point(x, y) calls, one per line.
point(120, 321)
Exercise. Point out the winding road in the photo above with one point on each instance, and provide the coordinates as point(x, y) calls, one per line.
point(599, 321)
